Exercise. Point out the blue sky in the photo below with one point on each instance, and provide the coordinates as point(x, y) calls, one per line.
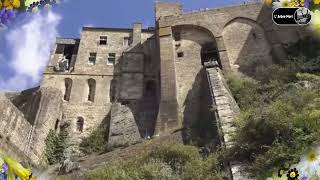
point(25, 45)
point(119, 13)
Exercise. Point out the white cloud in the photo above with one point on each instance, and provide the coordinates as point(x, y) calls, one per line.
point(30, 46)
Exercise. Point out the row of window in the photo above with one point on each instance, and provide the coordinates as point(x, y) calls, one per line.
point(91, 89)
point(104, 41)
point(79, 125)
point(93, 58)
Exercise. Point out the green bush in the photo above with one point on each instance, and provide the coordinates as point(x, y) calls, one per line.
point(55, 146)
point(244, 91)
point(96, 142)
point(280, 118)
point(308, 77)
point(166, 162)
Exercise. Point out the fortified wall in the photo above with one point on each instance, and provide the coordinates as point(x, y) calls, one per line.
point(22, 137)
point(234, 36)
point(136, 82)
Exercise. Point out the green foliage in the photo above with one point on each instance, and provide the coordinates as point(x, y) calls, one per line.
point(55, 146)
point(244, 91)
point(280, 118)
point(96, 142)
point(308, 77)
point(166, 162)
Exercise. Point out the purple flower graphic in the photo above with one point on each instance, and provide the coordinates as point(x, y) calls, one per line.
point(7, 15)
point(306, 3)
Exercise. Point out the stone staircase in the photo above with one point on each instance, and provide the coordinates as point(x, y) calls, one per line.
point(226, 109)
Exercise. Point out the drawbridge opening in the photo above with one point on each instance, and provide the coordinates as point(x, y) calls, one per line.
point(210, 56)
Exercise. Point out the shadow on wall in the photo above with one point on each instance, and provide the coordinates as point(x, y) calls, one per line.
point(105, 125)
point(199, 121)
point(27, 102)
point(144, 109)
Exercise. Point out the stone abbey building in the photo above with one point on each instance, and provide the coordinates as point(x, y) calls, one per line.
point(140, 82)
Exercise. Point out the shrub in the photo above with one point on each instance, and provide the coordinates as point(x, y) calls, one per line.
point(96, 142)
point(166, 162)
point(55, 146)
point(244, 91)
point(278, 125)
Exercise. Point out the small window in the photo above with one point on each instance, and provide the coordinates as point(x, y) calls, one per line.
point(180, 54)
point(254, 35)
point(91, 90)
point(111, 58)
point(67, 90)
point(103, 40)
point(126, 41)
point(56, 126)
point(177, 36)
point(92, 58)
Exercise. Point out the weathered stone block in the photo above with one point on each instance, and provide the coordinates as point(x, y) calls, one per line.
point(123, 128)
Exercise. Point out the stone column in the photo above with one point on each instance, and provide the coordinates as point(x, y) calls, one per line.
point(168, 110)
point(223, 55)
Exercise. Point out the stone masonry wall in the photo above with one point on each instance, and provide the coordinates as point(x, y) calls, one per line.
point(50, 109)
point(14, 130)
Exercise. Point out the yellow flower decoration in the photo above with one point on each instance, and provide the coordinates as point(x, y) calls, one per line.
point(316, 1)
point(297, 3)
point(268, 2)
point(16, 3)
point(0, 4)
point(10, 4)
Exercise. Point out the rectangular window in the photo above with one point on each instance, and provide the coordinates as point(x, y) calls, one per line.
point(177, 36)
point(126, 41)
point(111, 58)
point(92, 58)
point(180, 54)
point(103, 40)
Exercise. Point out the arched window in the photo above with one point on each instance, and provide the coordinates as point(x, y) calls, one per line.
point(92, 89)
point(113, 86)
point(67, 86)
point(80, 123)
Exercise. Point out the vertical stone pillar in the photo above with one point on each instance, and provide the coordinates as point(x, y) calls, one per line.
point(136, 34)
point(223, 55)
point(168, 110)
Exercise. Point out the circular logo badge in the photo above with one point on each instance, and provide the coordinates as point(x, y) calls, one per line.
point(302, 16)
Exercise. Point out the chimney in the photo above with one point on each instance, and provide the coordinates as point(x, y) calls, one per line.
point(136, 34)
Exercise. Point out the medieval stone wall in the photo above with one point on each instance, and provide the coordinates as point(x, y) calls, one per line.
point(242, 34)
point(135, 65)
point(49, 112)
point(14, 130)
point(157, 76)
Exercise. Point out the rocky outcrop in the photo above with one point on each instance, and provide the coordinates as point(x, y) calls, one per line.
point(123, 128)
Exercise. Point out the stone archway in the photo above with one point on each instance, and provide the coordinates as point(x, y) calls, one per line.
point(246, 44)
point(197, 45)
point(183, 49)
